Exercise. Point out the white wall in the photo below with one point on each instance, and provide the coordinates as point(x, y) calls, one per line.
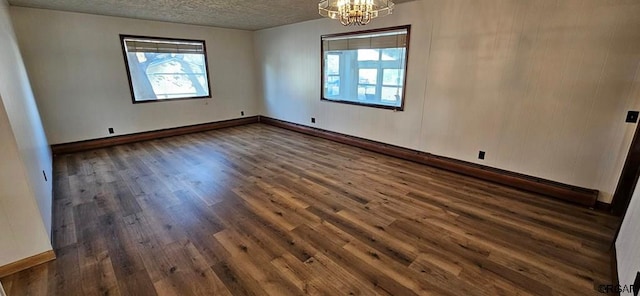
point(78, 74)
point(22, 231)
point(25, 197)
point(542, 86)
point(628, 242)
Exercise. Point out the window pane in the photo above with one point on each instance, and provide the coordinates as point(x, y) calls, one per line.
point(391, 94)
point(366, 92)
point(333, 64)
point(332, 86)
point(368, 76)
point(368, 55)
point(392, 77)
point(392, 54)
point(157, 74)
point(176, 75)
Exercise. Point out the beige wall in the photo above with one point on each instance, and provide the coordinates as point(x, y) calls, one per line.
point(25, 197)
point(78, 74)
point(628, 243)
point(542, 86)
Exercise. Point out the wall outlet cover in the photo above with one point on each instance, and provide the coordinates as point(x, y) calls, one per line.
point(481, 155)
point(632, 116)
point(111, 130)
point(313, 120)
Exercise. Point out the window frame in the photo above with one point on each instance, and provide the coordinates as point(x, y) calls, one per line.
point(126, 63)
point(405, 70)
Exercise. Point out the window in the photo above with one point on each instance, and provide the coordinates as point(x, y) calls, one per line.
point(165, 69)
point(366, 68)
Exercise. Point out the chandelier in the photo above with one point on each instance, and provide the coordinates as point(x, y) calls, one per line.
point(355, 12)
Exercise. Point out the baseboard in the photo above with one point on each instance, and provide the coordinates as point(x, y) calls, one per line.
point(570, 193)
point(144, 136)
point(603, 206)
point(26, 263)
point(574, 194)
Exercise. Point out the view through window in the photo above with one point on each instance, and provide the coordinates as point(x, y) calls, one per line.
point(165, 69)
point(366, 68)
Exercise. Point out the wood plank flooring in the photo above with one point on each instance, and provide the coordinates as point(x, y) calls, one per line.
point(258, 210)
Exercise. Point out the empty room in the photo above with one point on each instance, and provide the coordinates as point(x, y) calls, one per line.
point(335, 147)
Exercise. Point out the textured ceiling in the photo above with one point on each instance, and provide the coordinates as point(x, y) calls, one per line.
point(238, 14)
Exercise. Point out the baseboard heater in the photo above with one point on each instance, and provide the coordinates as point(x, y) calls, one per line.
point(570, 193)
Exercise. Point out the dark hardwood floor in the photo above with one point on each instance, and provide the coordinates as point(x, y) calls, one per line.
point(257, 210)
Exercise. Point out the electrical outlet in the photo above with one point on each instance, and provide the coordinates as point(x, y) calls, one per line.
point(241, 113)
point(481, 155)
point(111, 130)
point(313, 120)
point(632, 117)
point(45, 176)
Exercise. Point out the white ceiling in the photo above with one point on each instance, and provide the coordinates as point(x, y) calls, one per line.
point(238, 14)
